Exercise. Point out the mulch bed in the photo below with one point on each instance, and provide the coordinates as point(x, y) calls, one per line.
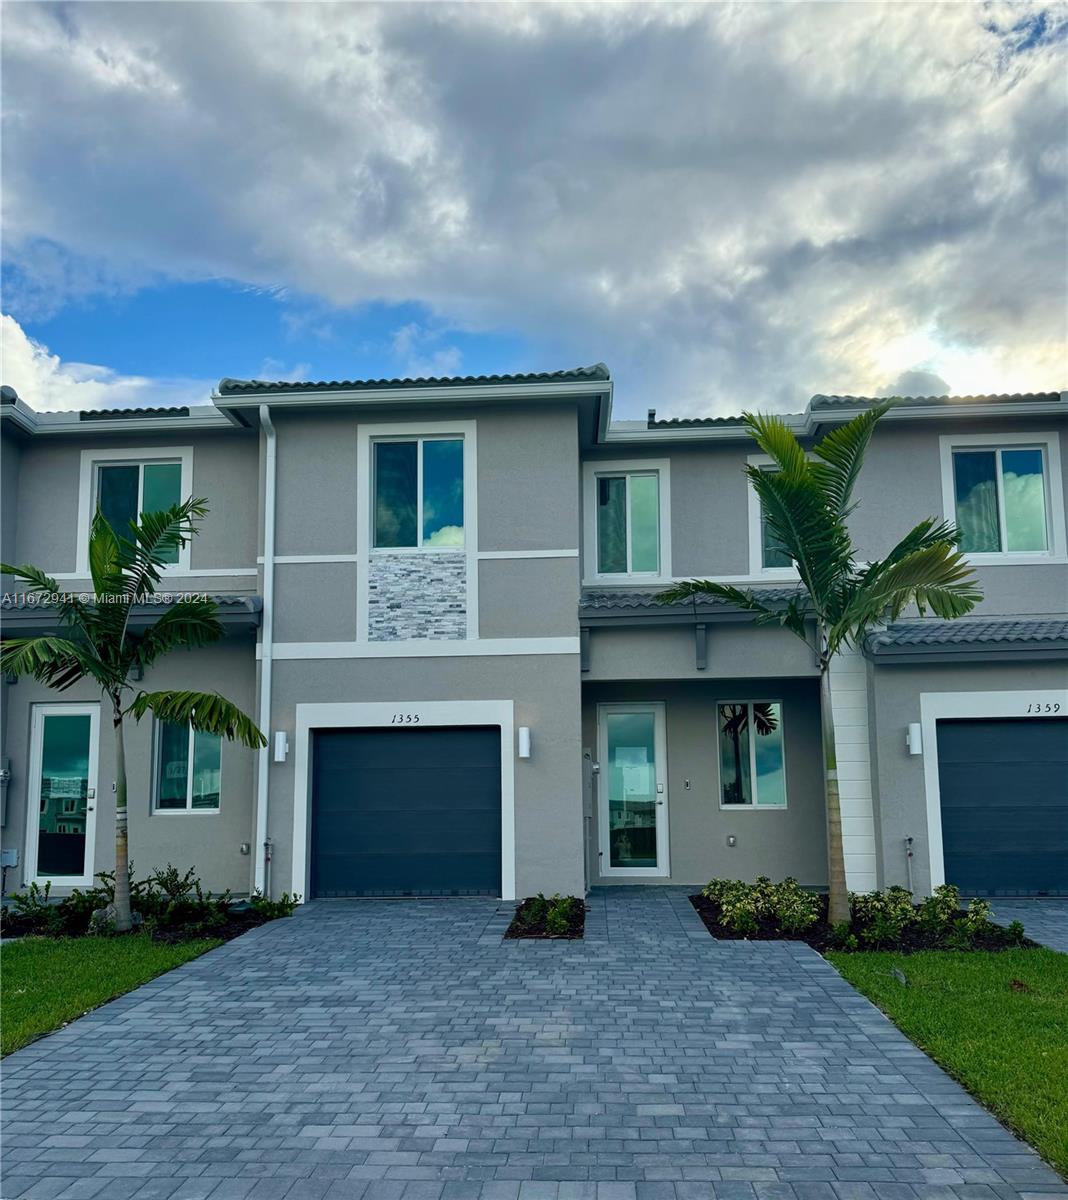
point(818, 936)
point(236, 923)
point(524, 926)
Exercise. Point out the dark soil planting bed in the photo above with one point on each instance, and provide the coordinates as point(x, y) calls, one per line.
point(556, 918)
point(821, 936)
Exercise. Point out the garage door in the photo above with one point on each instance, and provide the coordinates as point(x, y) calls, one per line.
point(1004, 790)
point(406, 812)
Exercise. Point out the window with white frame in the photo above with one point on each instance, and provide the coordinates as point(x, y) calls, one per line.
point(418, 493)
point(752, 767)
point(628, 523)
point(1001, 499)
point(188, 769)
point(124, 490)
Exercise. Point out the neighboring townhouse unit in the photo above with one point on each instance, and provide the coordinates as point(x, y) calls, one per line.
point(439, 603)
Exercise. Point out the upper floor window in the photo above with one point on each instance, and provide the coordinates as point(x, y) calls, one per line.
point(765, 552)
point(188, 769)
point(1003, 495)
point(419, 493)
point(627, 521)
point(125, 490)
point(124, 483)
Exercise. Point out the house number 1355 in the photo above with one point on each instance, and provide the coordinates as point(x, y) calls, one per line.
point(405, 719)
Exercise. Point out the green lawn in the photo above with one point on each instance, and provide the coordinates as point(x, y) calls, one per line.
point(46, 982)
point(997, 1022)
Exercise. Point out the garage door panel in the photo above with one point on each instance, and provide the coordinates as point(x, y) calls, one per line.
point(1004, 798)
point(407, 812)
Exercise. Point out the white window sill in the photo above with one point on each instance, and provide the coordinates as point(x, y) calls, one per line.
point(186, 812)
point(383, 551)
point(660, 581)
point(752, 807)
point(1016, 560)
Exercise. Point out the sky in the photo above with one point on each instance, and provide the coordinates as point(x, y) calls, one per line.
point(733, 206)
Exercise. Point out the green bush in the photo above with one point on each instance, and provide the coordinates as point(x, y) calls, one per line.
point(270, 910)
point(786, 906)
point(880, 918)
point(555, 915)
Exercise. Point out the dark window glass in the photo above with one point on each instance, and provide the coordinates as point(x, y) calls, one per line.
point(162, 489)
point(612, 525)
point(396, 493)
point(117, 496)
point(443, 492)
point(976, 489)
point(173, 784)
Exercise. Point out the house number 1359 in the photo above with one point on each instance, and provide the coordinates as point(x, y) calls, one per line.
point(1043, 708)
point(405, 719)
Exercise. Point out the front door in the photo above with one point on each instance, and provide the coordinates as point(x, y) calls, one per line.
point(632, 790)
point(62, 793)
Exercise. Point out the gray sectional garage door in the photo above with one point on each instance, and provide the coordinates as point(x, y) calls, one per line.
point(406, 812)
point(1004, 790)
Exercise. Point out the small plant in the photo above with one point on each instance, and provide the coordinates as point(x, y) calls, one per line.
point(785, 907)
point(271, 910)
point(940, 910)
point(1015, 930)
point(553, 916)
point(880, 918)
point(843, 938)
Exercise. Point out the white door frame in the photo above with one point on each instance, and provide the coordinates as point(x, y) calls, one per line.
point(944, 706)
point(663, 862)
point(406, 714)
point(33, 791)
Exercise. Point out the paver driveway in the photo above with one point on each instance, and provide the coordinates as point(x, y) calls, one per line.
point(1045, 920)
point(400, 1049)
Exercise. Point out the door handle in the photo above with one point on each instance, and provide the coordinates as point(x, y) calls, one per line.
point(90, 808)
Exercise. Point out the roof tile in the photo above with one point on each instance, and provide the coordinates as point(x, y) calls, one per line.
point(235, 387)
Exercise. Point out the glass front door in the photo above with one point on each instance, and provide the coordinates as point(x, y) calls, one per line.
point(633, 799)
point(64, 792)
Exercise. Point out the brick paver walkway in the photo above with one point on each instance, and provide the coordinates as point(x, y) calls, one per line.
point(1044, 920)
point(400, 1051)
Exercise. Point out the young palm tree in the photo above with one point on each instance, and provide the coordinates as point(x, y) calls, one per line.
point(806, 503)
point(98, 642)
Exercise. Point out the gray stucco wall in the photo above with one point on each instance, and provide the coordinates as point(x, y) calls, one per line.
point(775, 842)
point(210, 842)
point(224, 472)
point(667, 652)
point(548, 786)
point(901, 807)
point(901, 483)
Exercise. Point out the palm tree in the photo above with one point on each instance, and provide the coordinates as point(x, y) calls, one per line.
point(98, 642)
point(806, 504)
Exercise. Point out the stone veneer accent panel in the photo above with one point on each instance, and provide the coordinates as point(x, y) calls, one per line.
point(419, 595)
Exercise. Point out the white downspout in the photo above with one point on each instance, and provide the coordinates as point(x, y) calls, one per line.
point(261, 849)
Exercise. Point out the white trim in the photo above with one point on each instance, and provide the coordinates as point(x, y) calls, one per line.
point(38, 713)
point(423, 428)
point(662, 870)
point(1046, 441)
point(757, 570)
point(171, 574)
point(754, 805)
point(485, 555)
point(473, 648)
point(261, 881)
point(849, 708)
point(939, 706)
point(491, 393)
point(91, 459)
point(591, 469)
point(291, 559)
point(371, 716)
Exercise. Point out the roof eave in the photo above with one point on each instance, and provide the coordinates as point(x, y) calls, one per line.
point(887, 656)
point(398, 397)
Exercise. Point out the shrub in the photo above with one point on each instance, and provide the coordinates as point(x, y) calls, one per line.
point(270, 910)
point(880, 918)
point(786, 906)
point(938, 913)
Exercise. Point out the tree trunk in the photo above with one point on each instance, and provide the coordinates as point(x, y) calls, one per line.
point(123, 916)
point(838, 892)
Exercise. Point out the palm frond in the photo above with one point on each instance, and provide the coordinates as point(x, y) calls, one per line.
point(935, 577)
point(842, 451)
point(54, 661)
point(207, 712)
point(105, 557)
point(155, 540)
point(721, 591)
point(190, 623)
point(66, 605)
point(777, 441)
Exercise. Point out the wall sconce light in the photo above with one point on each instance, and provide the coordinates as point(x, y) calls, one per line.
point(914, 738)
point(281, 746)
point(524, 741)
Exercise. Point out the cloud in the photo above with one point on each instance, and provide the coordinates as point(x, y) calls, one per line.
point(731, 204)
point(49, 385)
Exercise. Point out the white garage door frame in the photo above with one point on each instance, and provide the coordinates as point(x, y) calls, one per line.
point(428, 714)
point(945, 706)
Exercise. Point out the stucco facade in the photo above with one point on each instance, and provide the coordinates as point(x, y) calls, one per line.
point(533, 618)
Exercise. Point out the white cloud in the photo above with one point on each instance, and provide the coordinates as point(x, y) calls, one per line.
point(48, 384)
point(730, 204)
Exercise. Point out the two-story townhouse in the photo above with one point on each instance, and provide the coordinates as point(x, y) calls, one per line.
point(439, 604)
